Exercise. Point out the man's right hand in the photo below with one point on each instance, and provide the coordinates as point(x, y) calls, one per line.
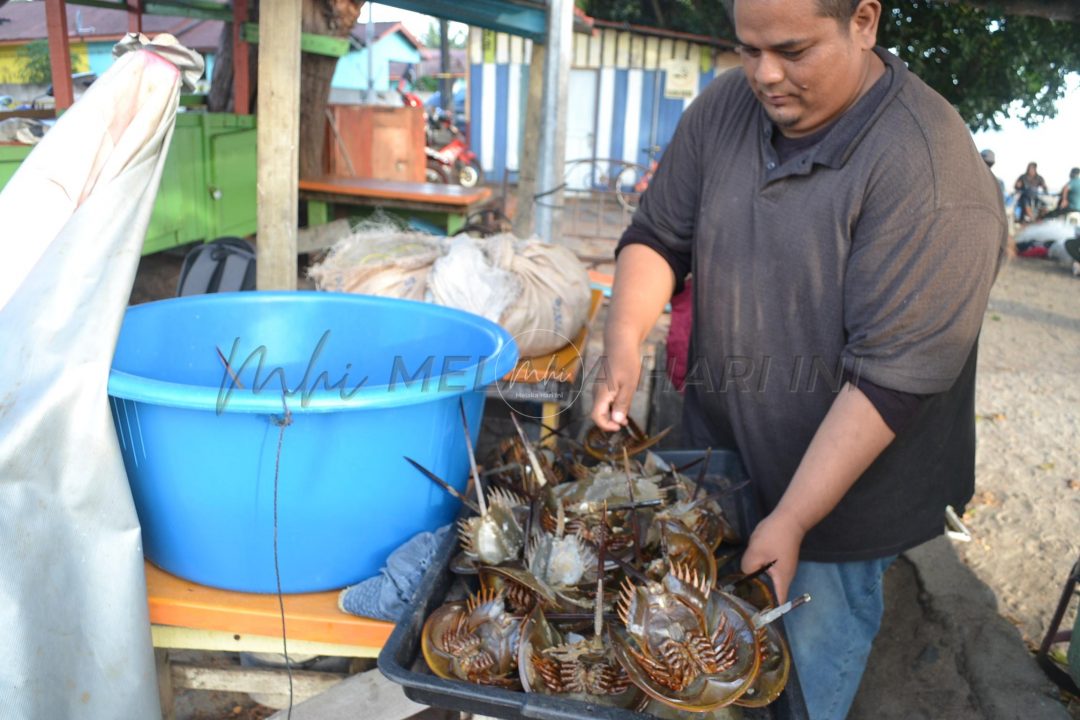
point(643, 285)
point(615, 383)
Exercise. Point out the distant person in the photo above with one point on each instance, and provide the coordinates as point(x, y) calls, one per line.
point(1028, 186)
point(1070, 194)
point(988, 158)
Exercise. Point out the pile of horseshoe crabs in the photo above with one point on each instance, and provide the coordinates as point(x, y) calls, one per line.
point(596, 576)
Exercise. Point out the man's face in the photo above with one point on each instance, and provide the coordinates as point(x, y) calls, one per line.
point(804, 68)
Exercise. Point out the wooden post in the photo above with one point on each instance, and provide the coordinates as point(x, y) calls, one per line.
point(134, 8)
point(59, 53)
point(526, 189)
point(241, 73)
point(279, 140)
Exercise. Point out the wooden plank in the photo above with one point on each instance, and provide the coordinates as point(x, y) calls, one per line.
point(59, 53)
point(652, 53)
point(309, 616)
point(622, 50)
point(183, 638)
point(596, 47)
point(637, 51)
point(306, 683)
point(241, 71)
point(368, 695)
point(611, 40)
point(451, 196)
point(278, 143)
point(165, 686)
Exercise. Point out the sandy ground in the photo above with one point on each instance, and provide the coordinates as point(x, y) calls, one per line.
point(1026, 513)
point(958, 615)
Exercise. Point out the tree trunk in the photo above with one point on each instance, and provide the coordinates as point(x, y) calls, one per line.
point(220, 98)
point(322, 17)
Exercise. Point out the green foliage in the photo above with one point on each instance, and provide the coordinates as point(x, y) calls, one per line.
point(989, 65)
point(982, 62)
point(35, 58)
point(427, 84)
point(431, 38)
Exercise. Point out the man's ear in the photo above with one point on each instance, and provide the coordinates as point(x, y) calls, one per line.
point(864, 23)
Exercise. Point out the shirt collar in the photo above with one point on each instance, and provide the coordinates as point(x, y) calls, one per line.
point(843, 137)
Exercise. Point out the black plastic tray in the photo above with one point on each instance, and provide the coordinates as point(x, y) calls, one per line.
point(402, 662)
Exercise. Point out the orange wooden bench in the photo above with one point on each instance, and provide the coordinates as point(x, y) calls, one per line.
point(187, 616)
point(445, 206)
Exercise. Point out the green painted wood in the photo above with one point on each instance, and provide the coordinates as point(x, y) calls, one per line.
point(318, 213)
point(11, 156)
point(107, 4)
point(196, 13)
point(309, 42)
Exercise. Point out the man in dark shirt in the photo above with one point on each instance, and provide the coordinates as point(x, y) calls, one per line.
point(843, 234)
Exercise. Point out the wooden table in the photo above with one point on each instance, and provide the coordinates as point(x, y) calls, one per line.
point(445, 206)
point(187, 616)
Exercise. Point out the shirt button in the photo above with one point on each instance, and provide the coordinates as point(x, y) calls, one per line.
point(771, 165)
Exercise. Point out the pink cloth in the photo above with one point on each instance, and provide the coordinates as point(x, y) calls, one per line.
point(678, 340)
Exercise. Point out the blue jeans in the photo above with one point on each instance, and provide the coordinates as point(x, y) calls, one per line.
point(831, 636)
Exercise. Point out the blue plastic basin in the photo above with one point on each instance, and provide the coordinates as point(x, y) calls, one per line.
point(365, 382)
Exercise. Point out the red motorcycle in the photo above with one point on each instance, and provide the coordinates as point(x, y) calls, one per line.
point(449, 159)
point(453, 159)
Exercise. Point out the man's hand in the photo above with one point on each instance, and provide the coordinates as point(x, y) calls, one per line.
point(643, 285)
point(848, 440)
point(613, 392)
point(778, 538)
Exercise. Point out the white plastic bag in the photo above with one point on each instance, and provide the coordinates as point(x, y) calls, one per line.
point(379, 258)
point(463, 278)
point(72, 589)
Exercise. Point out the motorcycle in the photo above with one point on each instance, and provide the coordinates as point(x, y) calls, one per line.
point(453, 161)
point(453, 158)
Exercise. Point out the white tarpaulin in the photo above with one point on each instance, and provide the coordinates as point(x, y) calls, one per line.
point(73, 614)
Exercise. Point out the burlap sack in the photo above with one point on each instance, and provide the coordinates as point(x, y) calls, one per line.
point(554, 300)
point(387, 262)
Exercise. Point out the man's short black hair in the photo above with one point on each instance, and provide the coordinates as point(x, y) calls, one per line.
point(840, 10)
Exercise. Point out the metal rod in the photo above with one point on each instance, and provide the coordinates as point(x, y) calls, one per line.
point(765, 617)
point(472, 460)
point(444, 485)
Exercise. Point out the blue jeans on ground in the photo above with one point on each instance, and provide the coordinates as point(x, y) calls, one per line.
point(831, 636)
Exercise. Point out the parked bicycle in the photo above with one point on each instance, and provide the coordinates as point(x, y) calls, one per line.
point(633, 179)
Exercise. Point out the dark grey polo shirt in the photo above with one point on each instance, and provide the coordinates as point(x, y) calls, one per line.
point(872, 251)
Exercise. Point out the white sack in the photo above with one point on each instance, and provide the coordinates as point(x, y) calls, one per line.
point(465, 279)
point(378, 258)
point(72, 591)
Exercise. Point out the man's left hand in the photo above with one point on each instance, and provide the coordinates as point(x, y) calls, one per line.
point(778, 538)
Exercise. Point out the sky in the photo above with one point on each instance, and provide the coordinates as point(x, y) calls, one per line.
point(1054, 145)
point(416, 23)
